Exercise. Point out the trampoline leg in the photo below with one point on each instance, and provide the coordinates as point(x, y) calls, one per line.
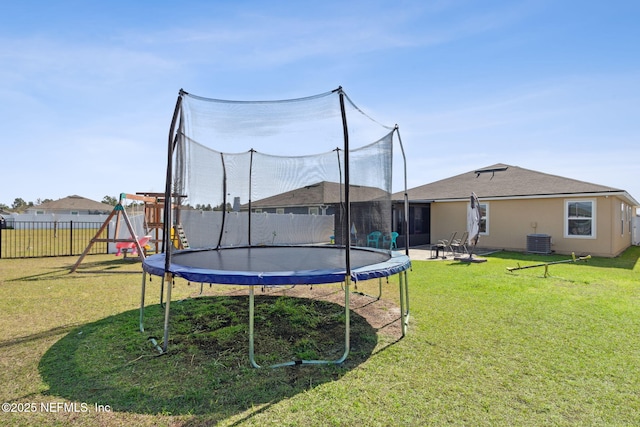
point(144, 281)
point(251, 315)
point(404, 302)
point(347, 333)
point(347, 321)
point(406, 294)
point(166, 277)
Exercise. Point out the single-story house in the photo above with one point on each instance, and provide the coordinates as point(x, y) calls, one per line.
point(524, 210)
point(71, 205)
point(370, 206)
point(321, 198)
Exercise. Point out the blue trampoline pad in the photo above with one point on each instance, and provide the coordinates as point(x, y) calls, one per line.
point(277, 265)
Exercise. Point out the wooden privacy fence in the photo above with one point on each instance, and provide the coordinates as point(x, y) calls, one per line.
point(35, 239)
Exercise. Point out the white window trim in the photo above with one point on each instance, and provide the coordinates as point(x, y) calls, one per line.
point(594, 211)
point(314, 210)
point(280, 211)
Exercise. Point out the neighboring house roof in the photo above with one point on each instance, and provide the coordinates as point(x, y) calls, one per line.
point(506, 181)
point(321, 193)
point(73, 203)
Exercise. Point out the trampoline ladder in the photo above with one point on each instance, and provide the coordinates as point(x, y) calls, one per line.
point(184, 243)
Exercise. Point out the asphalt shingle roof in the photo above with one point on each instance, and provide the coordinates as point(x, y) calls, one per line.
point(501, 180)
point(321, 193)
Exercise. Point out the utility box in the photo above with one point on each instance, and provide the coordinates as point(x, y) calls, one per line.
point(539, 243)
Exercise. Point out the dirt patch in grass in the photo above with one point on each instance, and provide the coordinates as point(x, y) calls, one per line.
point(382, 315)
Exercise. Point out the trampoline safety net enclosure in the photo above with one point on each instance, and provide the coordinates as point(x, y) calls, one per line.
point(270, 213)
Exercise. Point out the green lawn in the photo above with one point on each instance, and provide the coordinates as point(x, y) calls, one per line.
point(485, 346)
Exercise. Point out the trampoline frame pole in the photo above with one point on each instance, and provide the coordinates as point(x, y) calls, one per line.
point(347, 203)
point(405, 222)
point(251, 328)
point(165, 340)
point(144, 280)
point(347, 320)
point(404, 302)
point(224, 200)
point(406, 294)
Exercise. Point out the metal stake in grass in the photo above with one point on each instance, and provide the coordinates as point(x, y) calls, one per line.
point(547, 264)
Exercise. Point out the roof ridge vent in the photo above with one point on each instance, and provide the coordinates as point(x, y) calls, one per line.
point(491, 170)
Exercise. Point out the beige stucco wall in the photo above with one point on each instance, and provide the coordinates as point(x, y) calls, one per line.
point(510, 221)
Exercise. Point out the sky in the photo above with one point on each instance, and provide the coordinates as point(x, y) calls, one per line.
point(88, 88)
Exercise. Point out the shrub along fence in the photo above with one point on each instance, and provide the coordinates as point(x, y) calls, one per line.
point(35, 239)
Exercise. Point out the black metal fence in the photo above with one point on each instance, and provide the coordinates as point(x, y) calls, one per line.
point(35, 239)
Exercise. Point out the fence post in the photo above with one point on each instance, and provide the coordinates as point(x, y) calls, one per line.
point(1, 231)
point(71, 237)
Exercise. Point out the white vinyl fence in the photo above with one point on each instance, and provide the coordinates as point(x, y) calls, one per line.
point(202, 228)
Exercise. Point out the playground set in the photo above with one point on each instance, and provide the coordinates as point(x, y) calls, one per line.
point(140, 240)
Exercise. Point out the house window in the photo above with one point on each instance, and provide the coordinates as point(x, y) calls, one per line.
point(580, 218)
point(39, 212)
point(623, 212)
point(314, 210)
point(484, 218)
point(74, 213)
point(280, 211)
point(257, 210)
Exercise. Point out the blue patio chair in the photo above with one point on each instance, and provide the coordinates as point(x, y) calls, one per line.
point(389, 241)
point(373, 239)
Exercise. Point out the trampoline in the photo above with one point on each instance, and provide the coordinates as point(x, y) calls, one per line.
point(280, 265)
point(280, 219)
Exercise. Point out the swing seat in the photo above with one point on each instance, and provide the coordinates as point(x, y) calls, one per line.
point(126, 246)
